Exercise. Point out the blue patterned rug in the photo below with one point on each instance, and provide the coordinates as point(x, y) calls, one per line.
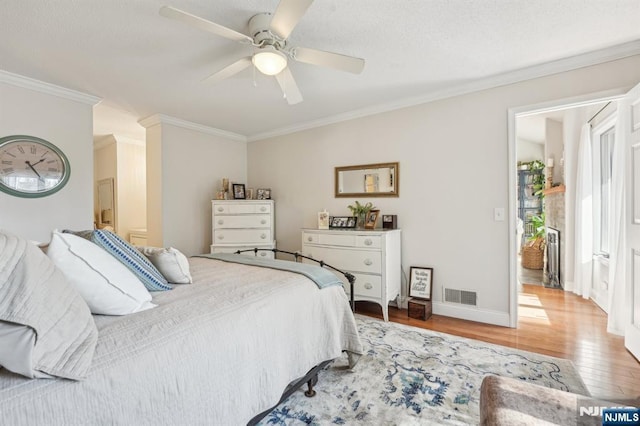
point(411, 376)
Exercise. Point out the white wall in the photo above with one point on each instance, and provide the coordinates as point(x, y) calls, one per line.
point(185, 167)
point(453, 172)
point(528, 151)
point(67, 123)
point(131, 185)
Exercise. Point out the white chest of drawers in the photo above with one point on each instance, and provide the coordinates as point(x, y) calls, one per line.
point(242, 225)
point(372, 256)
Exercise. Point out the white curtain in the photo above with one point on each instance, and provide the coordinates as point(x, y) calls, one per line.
point(584, 216)
point(618, 307)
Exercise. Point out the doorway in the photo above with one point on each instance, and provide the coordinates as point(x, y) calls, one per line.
point(559, 122)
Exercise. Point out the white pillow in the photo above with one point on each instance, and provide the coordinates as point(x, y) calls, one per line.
point(108, 287)
point(171, 263)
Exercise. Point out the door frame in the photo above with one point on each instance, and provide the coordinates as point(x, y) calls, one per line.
point(522, 111)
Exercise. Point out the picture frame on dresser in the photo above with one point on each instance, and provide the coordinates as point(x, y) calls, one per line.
point(238, 191)
point(372, 219)
point(420, 282)
point(342, 222)
point(263, 194)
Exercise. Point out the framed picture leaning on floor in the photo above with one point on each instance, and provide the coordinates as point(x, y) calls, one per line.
point(420, 282)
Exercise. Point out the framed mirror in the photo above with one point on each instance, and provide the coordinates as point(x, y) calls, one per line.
point(368, 180)
point(106, 204)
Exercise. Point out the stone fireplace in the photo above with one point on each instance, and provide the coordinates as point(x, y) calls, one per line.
point(554, 210)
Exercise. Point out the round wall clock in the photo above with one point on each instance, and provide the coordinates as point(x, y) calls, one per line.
point(31, 167)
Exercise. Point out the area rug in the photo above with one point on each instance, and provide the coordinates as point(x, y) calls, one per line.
point(411, 376)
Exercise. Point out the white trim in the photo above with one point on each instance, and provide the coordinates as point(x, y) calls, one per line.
point(165, 119)
point(471, 314)
point(613, 53)
point(512, 211)
point(48, 88)
point(523, 111)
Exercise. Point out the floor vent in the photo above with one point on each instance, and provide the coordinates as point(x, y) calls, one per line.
point(460, 296)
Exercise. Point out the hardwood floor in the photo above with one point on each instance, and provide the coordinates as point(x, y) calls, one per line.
point(551, 322)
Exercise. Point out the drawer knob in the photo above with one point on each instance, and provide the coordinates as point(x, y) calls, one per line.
point(368, 286)
point(368, 242)
point(368, 262)
point(220, 209)
point(263, 209)
point(263, 221)
point(263, 236)
point(220, 222)
point(309, 238)
point(221, 237)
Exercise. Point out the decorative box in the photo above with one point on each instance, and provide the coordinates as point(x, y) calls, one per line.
point(420, 309)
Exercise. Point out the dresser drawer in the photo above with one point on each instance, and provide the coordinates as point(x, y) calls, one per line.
point(373, 241)
point(347, 240)
point(242, 221)
point(233, 249)
point(309, 238)
point(241, 208)
point(233, 236)
point(348, 260)
point(369, 286)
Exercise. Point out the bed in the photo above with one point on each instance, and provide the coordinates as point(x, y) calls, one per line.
point(218, 351)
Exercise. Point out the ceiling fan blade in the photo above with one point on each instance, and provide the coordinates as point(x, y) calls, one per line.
point(289, 87)
point(229, 70)
point(328, 59)
point(203, 24)
point(287, 15)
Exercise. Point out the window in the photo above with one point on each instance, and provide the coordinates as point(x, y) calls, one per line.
point(603, 142)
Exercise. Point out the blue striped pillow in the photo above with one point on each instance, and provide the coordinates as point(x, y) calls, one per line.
point(132, 259)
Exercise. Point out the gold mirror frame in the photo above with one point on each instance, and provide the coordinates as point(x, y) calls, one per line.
point(394, 176)
point(106, 213)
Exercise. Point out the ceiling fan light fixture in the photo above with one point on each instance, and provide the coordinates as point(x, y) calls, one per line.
point(269, 61)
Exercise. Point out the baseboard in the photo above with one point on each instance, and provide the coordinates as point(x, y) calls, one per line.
point(471, 314)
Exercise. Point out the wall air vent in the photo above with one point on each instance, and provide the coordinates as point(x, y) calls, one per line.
point(462, 297)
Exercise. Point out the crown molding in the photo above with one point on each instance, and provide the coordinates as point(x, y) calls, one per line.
point(48, 88)
point(165, 119)
point(596, 57)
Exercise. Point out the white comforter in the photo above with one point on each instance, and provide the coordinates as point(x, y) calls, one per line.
point(216, 352)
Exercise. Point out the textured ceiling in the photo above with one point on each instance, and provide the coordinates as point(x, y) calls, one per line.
point(126, 53)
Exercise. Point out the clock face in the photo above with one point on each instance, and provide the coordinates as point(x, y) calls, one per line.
point(31, 167)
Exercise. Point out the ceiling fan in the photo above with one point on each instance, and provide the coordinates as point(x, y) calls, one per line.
point(268, 35)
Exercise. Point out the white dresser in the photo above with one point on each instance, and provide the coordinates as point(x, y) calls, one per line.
point(373, 257)
point(242, 225)
point(138, 237)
